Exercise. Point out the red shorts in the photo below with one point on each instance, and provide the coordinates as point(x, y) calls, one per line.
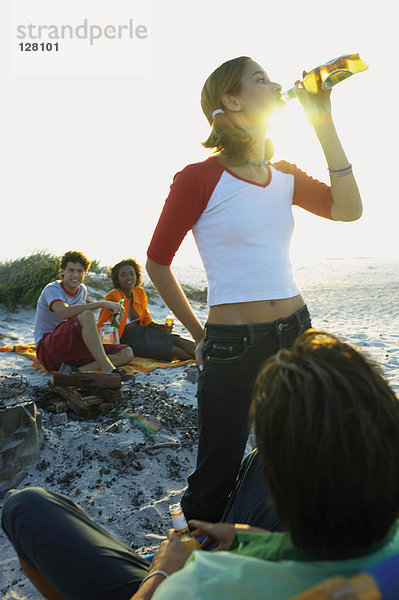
point(65, 344)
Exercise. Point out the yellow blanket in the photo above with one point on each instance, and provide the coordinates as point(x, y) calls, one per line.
point(137, 365)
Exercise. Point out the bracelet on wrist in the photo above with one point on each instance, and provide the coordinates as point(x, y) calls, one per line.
point(340, 172)
point(157, 572)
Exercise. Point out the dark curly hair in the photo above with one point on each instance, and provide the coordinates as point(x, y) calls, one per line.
point(114, 271)
point(327, 431)
point(75, 257)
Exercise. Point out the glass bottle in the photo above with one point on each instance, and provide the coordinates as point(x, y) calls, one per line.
point(108, 334)
point(116, 319)
point(329, 74)
point(180, 525)
point(169, 321)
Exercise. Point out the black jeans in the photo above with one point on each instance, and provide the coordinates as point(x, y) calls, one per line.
point(80, 559)
point(233, 355)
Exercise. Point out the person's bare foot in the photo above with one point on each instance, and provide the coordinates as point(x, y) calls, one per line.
point(67, 369)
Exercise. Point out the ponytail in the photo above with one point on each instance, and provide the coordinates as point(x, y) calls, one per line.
point(229, 138)
point(234, 141)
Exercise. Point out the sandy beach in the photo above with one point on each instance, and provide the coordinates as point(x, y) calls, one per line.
point(128, 491)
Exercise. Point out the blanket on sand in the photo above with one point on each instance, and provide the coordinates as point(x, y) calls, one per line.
point(137, 365)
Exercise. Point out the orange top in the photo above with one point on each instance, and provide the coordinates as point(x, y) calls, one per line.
point(140, 305)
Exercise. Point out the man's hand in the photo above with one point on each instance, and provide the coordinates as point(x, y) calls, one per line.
point(171, 554)
point(220, 533)
point(114, 307)
point(170, 557)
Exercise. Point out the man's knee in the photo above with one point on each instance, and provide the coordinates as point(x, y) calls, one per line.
point(126, 354)
point(86, 318)
point(19, 503)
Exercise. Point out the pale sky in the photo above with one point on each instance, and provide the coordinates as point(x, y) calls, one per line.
point(87, 160)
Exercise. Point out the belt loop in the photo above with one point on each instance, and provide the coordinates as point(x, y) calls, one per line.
point(251, 334)
point(299, 319)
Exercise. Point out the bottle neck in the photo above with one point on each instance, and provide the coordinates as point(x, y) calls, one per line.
point(179, 522)
point(184, 535)
point(289, 94)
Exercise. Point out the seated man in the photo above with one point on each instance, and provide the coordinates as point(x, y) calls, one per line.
point(327, 429)
point(65, 325)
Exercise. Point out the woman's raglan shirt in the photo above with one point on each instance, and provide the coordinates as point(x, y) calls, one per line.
point(242, 229)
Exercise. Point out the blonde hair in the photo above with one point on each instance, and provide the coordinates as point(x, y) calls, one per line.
point(234, 141)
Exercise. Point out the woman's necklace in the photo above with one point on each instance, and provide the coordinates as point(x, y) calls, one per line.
point(246, 161)
point(256, 164)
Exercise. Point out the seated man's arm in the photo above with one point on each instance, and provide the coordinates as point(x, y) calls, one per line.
point(221, 534)
point(66, 311)
point(170, 557)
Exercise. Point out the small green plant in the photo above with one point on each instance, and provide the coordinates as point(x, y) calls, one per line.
point(95, 267)
point(22, 279)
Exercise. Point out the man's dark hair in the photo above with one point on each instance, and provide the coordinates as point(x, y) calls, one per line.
point(114, 271)
point(327, 430)
point(75, 257)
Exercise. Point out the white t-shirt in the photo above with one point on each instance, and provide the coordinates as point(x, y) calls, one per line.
point(46, 320)
point(242, 229)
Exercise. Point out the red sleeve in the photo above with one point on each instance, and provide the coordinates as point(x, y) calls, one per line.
point(189, 194)
point(311, 194)
point(50, 306)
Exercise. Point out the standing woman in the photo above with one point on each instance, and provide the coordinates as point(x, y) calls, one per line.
point(239, 206)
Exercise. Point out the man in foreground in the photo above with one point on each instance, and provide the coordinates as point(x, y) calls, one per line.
point(66, 334)
point(327, 430)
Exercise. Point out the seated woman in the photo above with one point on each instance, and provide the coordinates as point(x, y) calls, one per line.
point(137, 329)
point(327, 430)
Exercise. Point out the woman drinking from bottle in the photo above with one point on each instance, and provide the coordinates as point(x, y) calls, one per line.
point(239, 207)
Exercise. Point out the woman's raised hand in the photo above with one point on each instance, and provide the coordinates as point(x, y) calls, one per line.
point(316, 106)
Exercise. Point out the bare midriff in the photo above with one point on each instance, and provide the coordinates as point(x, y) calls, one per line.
point(263, 311)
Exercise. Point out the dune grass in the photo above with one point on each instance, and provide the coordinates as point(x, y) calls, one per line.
point(23, 279)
